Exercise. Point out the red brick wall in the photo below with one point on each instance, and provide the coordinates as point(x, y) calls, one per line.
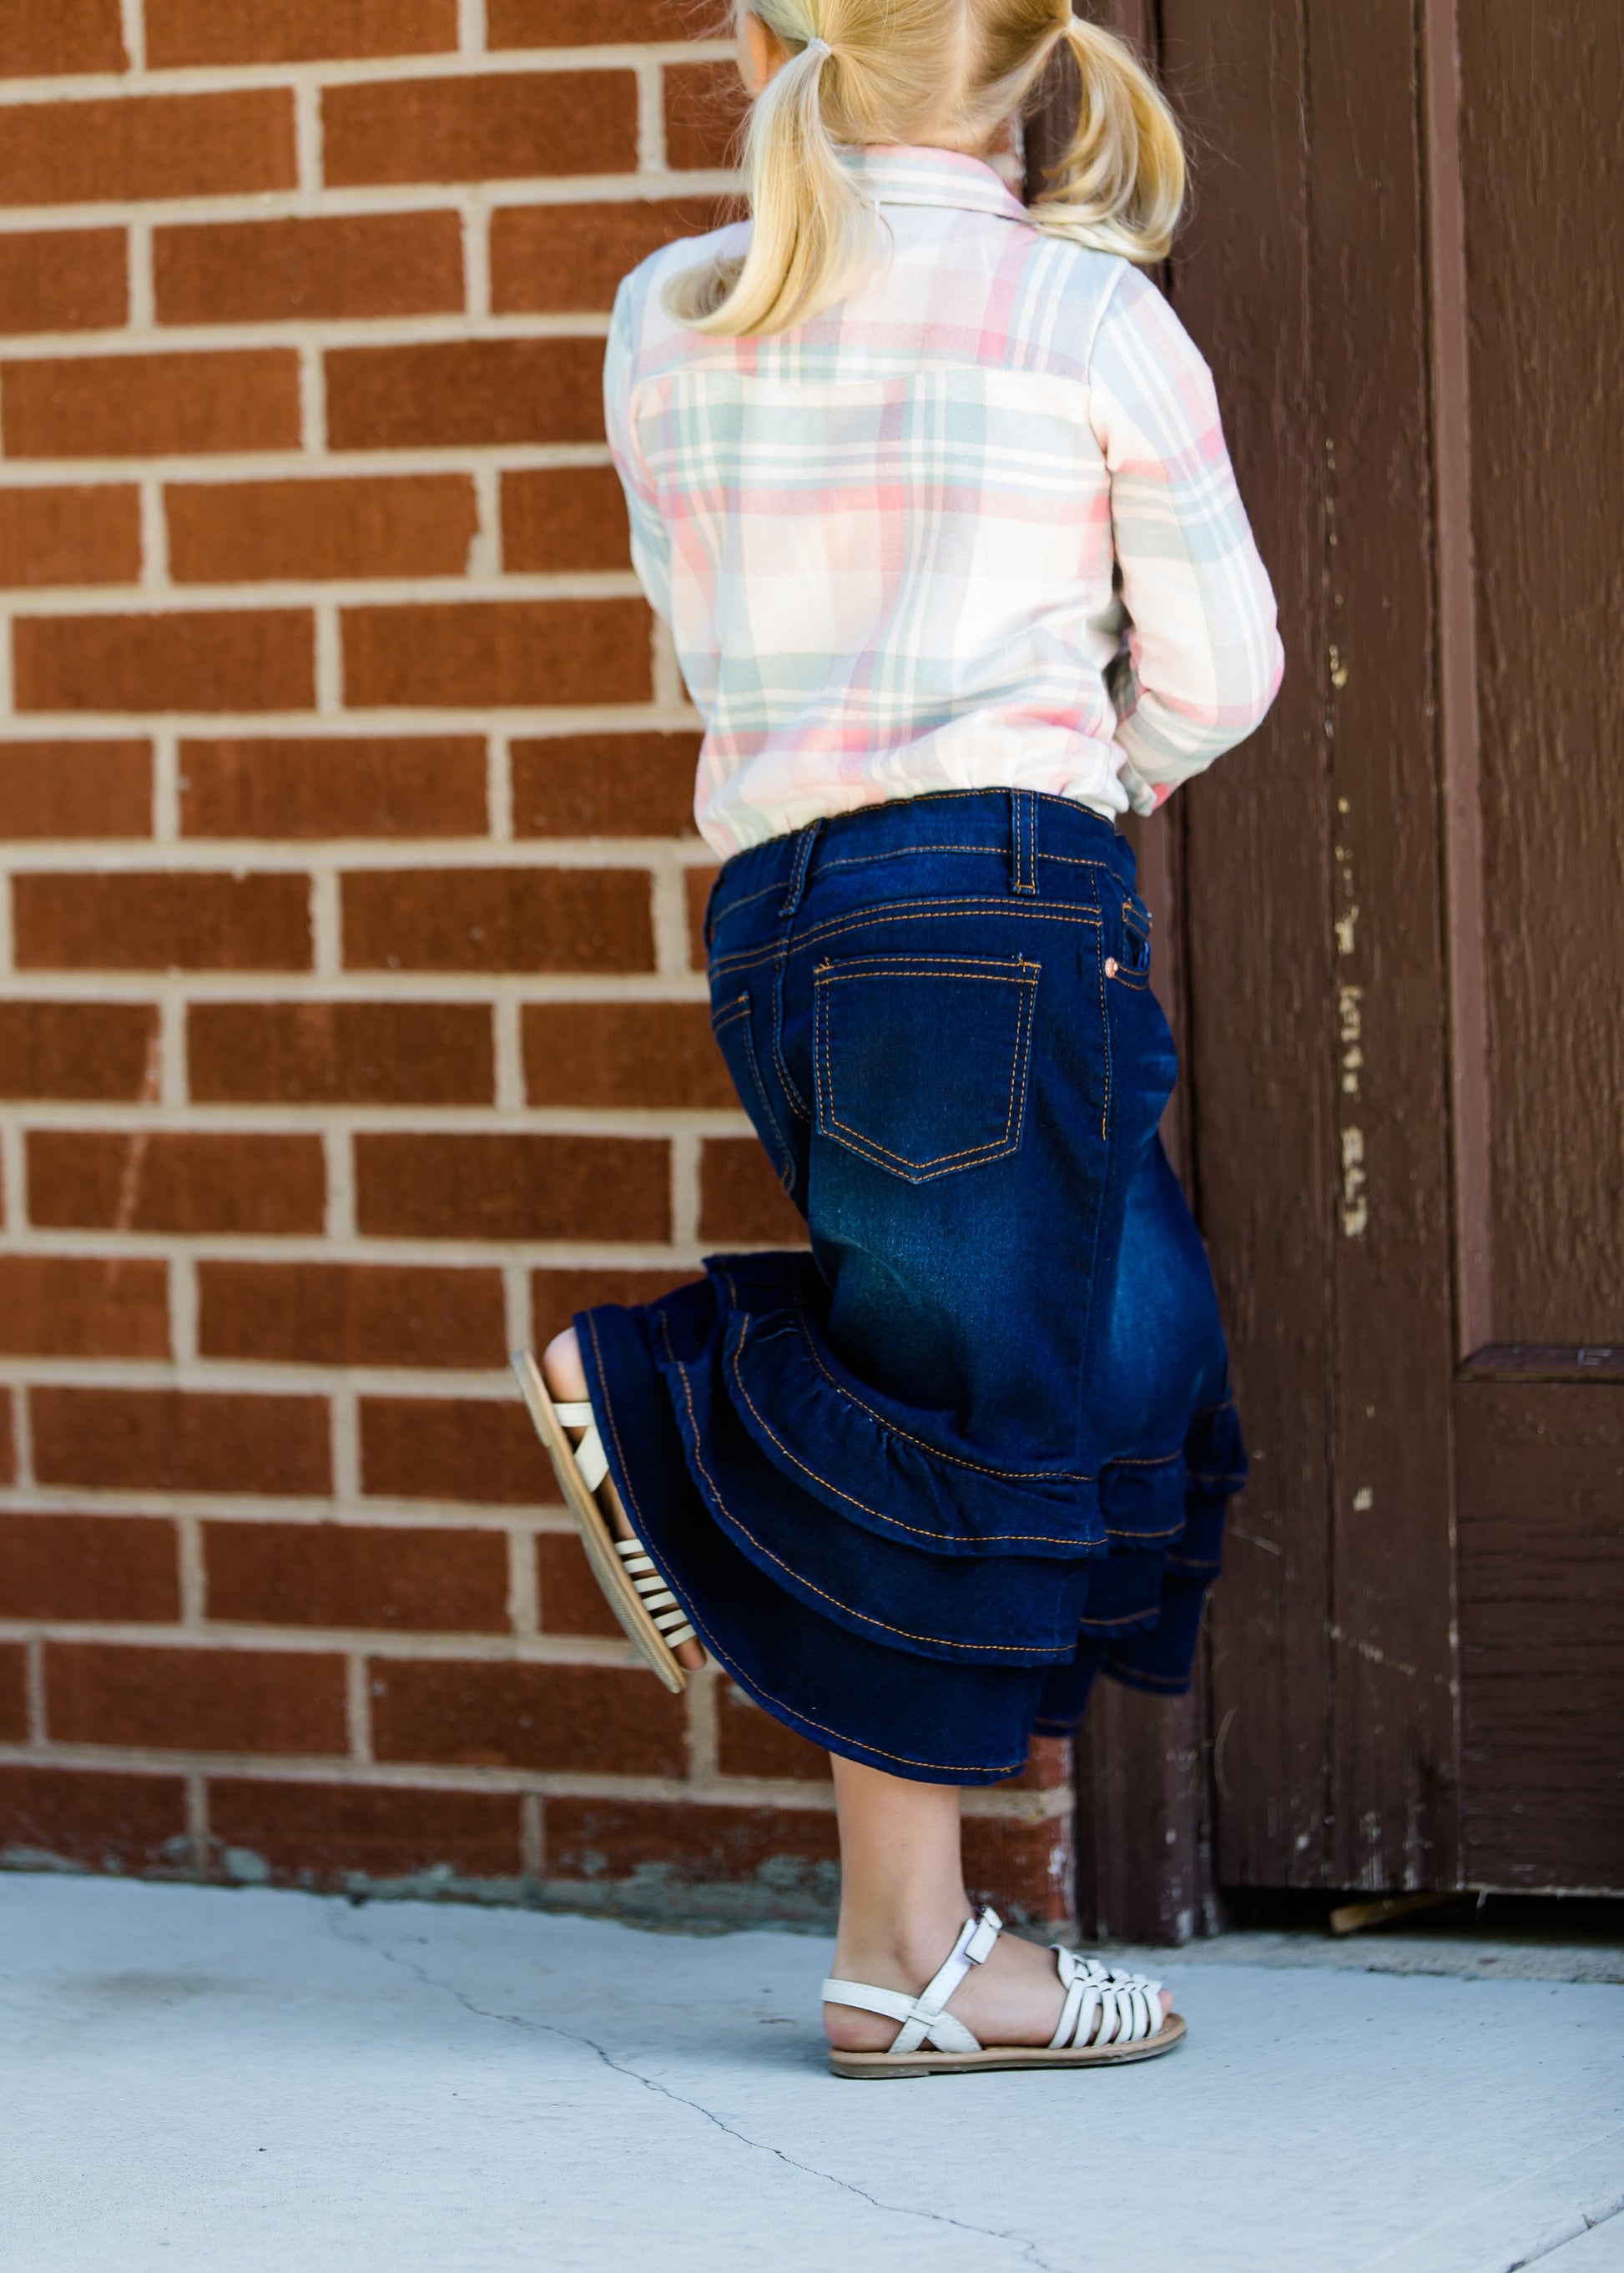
point(352, 1030)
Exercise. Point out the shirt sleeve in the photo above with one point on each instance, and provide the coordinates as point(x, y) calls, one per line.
point(1204, 659)
point(650, 539)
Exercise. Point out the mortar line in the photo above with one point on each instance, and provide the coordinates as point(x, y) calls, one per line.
point(193, 1583)
point(141, 315)
point(132, 26)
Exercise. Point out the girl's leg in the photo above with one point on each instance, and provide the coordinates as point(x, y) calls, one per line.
point(566, 1378)
point(902, 1892)
point(902, 1904)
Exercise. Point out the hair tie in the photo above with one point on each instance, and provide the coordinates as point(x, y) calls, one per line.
point(817, 47)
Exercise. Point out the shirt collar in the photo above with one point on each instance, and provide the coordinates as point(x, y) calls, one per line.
point(903, 173)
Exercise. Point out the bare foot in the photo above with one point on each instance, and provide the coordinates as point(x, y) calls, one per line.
point(566, 1378)
point(1014, 1999)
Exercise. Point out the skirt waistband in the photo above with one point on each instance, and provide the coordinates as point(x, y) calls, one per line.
point(1021, 827)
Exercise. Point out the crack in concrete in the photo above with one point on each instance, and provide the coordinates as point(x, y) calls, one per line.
point(1540, 2250)
point(1027, 2247)
point(1588, 2225)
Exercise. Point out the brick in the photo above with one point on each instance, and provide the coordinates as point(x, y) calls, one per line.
point(1051, 1766)
point(705, 104)
point(486, 129)
point(376, 785)
point(180, 922)
point(241, 532)
point(40, 37)
point(512, 1187)
point(562, 259)
point(497, 920)
point(216, 661)
point(741, 1201)
point(89, 1566)
point(589, 23)
point(75, 789)
point(122, 150)
point(558, 520)
point(69, 537)
point(174, 1440)
point(141, 406)
point(63, 280)
point(174, 1179)
point(465, 392)
point(605, 786)
point(294, 30)
point(624, 1053)
point(121, 1824)
point(330, 1574)
point(104, 1051)
point(13, 1693)
point(508, 654)
point(346, 1838)
point(300, 270)
point(557, 1296)
point(790, 1851)
point(572, 1601)
point(337, 1052)
point(698, 883)
point(8, 1449)
point(210, 1700)
point(1023, 1868)
point(452, 1448)
point(586, 1717)
point(750, 1743)
point(350, 1314)
point(83, 1306)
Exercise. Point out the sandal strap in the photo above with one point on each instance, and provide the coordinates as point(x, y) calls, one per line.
point(658, 1599)
point(923, 2017)
point(591, 1457)
point(1128, 2006)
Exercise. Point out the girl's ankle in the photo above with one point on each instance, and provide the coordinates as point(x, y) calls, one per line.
point(902, 1955)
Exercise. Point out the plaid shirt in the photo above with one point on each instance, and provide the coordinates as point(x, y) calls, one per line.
point(973, 527)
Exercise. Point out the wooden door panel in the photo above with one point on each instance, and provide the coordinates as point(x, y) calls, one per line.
point(1317, 1002)
point(1541, 90)
point(1390, 1615)
point(1260, 1062)
point(1403, 931)
point(1541, 1533)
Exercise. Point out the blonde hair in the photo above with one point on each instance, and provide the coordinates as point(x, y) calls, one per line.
point(942, 72)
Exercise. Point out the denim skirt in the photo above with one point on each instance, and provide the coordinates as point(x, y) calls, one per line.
point(916, 1487)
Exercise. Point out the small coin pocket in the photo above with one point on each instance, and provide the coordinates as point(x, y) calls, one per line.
point(921, 1061)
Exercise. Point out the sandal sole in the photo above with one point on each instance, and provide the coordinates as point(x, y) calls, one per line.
point(596, 1536)
point(882, 2067)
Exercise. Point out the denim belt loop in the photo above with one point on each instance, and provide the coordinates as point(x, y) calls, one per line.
point(1023, 842)
point(798, 873)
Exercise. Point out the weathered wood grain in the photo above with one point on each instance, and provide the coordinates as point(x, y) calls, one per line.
point(1542, 90)
point(1541, 1530)
point(1394, 1795)
point(1262, 1034)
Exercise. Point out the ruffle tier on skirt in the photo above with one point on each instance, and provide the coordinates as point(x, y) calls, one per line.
point(831, 1563)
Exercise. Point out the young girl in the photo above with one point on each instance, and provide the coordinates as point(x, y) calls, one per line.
point(931, 488)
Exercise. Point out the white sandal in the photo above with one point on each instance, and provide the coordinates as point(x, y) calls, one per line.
point(655, 1622)
point(1130, 2013)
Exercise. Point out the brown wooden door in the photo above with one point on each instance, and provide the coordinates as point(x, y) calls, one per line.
point(1398, 921)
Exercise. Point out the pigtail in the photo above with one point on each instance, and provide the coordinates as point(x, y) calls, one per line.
point(813, 233)
point(1120, 184)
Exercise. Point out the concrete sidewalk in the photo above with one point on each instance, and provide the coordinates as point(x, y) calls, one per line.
point(200, 2080)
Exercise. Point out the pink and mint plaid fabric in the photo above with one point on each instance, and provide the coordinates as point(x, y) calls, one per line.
point(973, 526)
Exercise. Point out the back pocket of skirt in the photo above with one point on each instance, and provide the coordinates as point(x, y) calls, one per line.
point(921, 1061)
